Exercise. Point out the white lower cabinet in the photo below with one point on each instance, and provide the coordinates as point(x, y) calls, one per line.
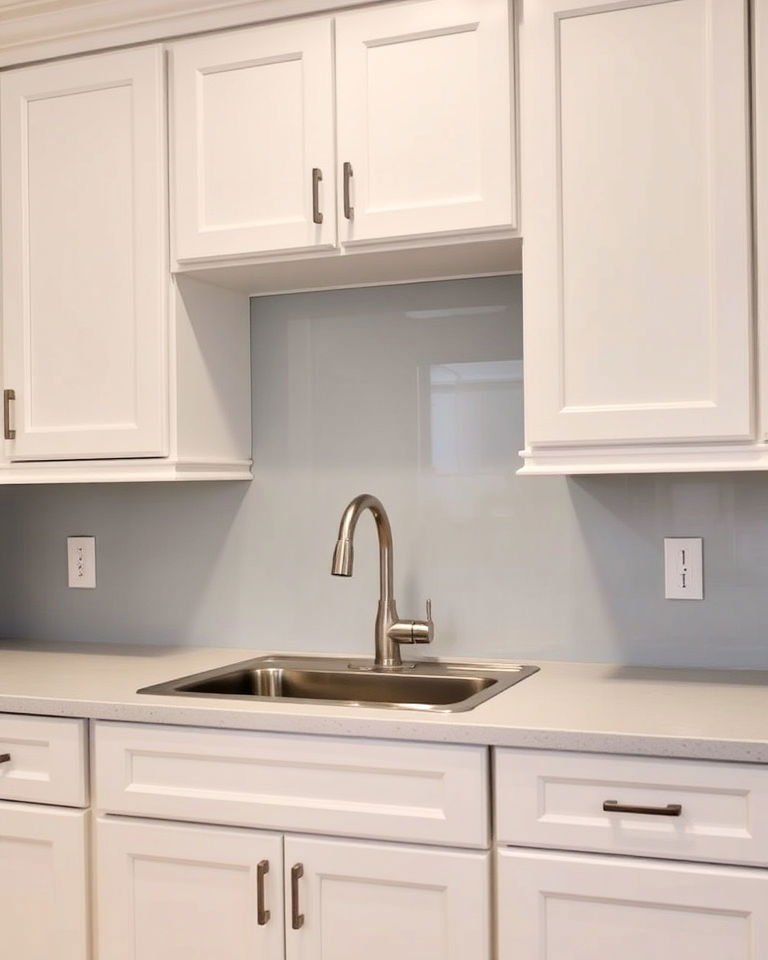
point(43, 883)
point(385, 902)
point(567, 906)
point(172, 891)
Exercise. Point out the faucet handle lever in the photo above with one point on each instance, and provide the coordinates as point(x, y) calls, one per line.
point(423, 631)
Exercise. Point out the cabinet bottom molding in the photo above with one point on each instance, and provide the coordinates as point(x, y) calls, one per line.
point(664, 458)
point(124, 471)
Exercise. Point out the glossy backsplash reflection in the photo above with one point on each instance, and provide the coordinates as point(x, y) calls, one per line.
point(413, 393)
point(468, 427)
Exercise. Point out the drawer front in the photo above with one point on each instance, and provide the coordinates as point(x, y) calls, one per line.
point(549, 799)
point(432, 793)
point(47, 760)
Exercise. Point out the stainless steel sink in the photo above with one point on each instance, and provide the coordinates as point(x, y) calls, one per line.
point(424, 685)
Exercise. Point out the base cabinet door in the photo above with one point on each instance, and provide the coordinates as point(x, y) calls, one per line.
point(565, 906)
point(170, 891)
point(350, 900)
point(43, 883)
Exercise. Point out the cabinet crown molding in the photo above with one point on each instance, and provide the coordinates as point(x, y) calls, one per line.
point(33, 30)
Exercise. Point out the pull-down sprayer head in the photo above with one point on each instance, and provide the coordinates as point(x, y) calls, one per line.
point(343, 558)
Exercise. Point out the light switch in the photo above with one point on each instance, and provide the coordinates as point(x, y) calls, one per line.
point(683, 568)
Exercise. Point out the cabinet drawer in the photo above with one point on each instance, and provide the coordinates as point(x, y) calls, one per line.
point(549, 799)
point(47, 760)
point(433, 793)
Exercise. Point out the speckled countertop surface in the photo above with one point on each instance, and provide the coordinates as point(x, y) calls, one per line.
point(711, 714)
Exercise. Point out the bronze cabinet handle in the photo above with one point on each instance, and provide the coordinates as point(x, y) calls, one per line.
point(262, 914)
point(8, 432)
point(297, 919)
point(670, 810)
point(5, 758)
point(317, 176)
point(348, 174)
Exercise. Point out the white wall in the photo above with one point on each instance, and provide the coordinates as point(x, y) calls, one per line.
point(411, 393)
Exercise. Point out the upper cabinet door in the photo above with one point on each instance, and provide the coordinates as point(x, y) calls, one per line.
point(84, 256)
point(383, 901)
point(637, 238)
point(252, 141)
point(425, 119)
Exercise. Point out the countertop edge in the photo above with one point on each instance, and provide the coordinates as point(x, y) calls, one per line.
point(398, 728)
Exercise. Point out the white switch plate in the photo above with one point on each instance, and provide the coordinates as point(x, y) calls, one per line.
point(683, 568)
point(81, 562)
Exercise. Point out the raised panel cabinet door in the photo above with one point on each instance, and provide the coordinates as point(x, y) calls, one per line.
point(43, 883)
point(565, 906)
point(425, 119)
point(635, 179)
point(347, 900)
point(252, 141)
point(84, 257)
point(173, 891)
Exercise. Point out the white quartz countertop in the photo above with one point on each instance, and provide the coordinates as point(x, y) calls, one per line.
point(718, 715)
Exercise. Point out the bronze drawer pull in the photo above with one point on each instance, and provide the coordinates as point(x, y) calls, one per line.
point(262, 914)
point(297, 919)
point(671, 809)
point(9, 432)
point(5, 758)
point(317, 176)
point(349, 210)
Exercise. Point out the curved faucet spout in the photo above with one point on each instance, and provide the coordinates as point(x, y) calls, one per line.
point(344, 553)
point(390, 631)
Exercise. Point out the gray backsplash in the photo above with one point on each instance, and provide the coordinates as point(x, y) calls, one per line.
point(412, 393)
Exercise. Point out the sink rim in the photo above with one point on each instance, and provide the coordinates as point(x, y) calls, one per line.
point(502, 675)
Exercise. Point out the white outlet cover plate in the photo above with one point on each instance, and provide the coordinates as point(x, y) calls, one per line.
point(683, 568)
point(81, 562)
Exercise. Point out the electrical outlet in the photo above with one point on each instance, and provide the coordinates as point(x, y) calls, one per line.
point(683, 568)
point(81, 562)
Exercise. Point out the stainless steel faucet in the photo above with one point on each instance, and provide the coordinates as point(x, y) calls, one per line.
point(390, 630)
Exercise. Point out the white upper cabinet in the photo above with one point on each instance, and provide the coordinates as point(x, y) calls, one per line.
point(636, 157)
point(84, 263)
point(253, 152)
point(760, 113)
point(425, 119)
point(111, 369)
point(378, 128)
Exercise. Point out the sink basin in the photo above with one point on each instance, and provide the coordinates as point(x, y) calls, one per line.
point(425, 685)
